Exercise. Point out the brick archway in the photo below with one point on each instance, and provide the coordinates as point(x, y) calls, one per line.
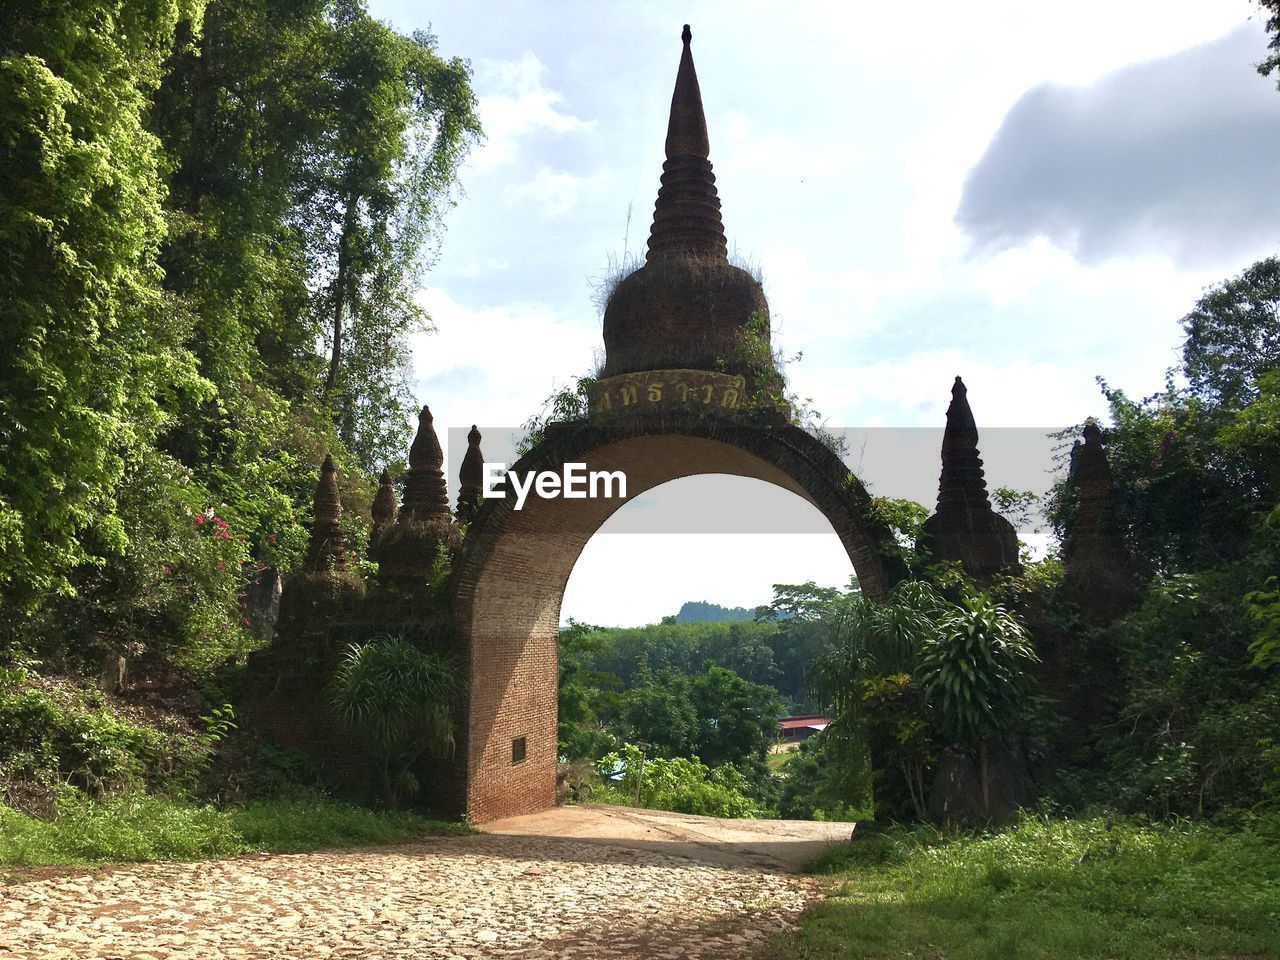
point(510, 577)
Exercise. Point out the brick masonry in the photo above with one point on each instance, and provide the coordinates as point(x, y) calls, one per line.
point(510, 576)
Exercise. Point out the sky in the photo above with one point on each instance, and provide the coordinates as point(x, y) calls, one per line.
point(1027, 195)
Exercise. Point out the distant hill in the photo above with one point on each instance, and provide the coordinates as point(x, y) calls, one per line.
point(699, 611)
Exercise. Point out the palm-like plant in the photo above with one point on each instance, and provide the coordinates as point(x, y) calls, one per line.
point(401, 699)
point(975, 669)
point(873, 642)
point(970, 660)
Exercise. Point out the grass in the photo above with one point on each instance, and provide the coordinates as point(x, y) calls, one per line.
point(1060, 889)
point(140, 827)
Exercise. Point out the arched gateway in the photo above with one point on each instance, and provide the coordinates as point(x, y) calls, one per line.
point(688, 388)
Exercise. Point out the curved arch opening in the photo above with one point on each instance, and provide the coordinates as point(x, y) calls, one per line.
point(512, 578)
point(714, 538)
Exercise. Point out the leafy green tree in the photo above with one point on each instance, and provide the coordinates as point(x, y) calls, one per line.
point(580, 732)
point(715, 715)
point(1271, 64)
point(1233, 335)
point(88, 346)
point(681, 784)
point(400, 699)
point(398, 119)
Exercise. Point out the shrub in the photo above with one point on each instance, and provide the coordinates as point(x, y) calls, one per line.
point(681, 784)
point(400, 699)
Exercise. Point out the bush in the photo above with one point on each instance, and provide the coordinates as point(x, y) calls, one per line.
point(682, 785)
point(53, 735)
point(137, 827)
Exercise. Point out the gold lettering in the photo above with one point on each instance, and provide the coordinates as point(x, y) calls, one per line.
point(629, 395)
point(655, 393)
point(606, 402)
point(706, 393)
point(730, 399)
point(684, 392)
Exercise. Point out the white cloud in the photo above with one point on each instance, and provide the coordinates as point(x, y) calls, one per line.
point(496, 366)
point(556, 191)
point(514, 102)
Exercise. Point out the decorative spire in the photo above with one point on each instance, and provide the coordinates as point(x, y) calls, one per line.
point(964, 527)
point(1099, 571)
point(471, 478)
point(963, 483)
point(686, 218)
point(384, 505)
point(324, 552)
point(426, 495)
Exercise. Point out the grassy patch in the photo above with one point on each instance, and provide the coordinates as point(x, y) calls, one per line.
point(140, 827)
point(1049, 889)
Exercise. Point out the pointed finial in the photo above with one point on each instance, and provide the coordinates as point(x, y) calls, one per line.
point(471, 478)
point(324, 551)
point(425, 491)
point(686, 218)
point(962, 430)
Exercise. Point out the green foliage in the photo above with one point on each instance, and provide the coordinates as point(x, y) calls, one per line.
point(568, 404)
point(1272, 62)
point(714, 714)
point(1049, 888)
point(176, 589)
point(1233, 335)
point(55, 737)
point(976, 671)
point(89, 349)
point(680, 784)
point(400, 699)
point(140, 827)
point(822, 781)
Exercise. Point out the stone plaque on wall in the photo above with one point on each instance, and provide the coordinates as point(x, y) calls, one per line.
point(647, 390)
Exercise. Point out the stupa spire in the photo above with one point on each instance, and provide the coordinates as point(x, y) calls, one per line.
point(686, 218)
point(963, 482)
point(964, 528)
point(426, 495)
point(1100, 573)
point(471, 478)
point(324, 551)
point(384, 505)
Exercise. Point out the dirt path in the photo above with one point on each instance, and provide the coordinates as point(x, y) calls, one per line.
point(577, 882)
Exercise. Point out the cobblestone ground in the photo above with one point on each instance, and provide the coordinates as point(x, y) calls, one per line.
point(479, 896)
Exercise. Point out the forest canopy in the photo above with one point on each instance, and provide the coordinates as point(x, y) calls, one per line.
point(215, 216)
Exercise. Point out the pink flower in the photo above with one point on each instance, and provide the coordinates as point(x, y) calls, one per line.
point(199, 519)
point(221, 566)
point(166, 568)
point(245, 622)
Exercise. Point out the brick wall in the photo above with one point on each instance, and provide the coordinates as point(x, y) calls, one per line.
point(510, 577)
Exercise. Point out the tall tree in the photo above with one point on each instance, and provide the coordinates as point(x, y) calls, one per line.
point(398, 120)
point(87, 346)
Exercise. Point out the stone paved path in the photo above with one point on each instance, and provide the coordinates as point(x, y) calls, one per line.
point(459, 897)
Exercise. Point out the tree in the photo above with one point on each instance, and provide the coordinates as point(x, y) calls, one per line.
point(1271, 64)
point(397, 121)
point(401, 700)
point(868, 681)
point(88, 346)
point(1233, 335)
